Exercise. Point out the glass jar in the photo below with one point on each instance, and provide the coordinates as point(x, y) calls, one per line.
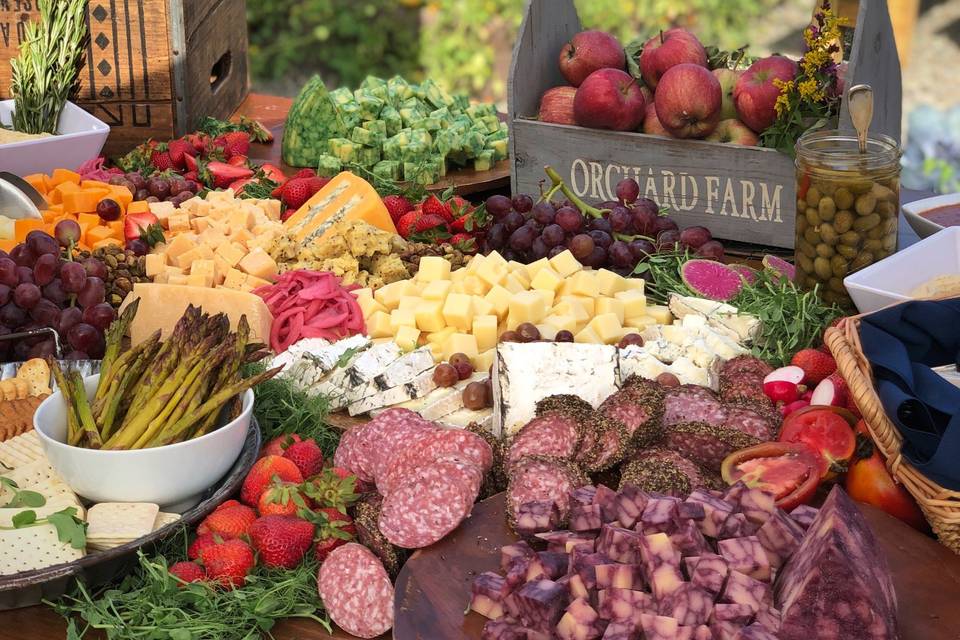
point(848, 206)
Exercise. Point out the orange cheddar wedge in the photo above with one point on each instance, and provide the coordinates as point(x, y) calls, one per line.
point(59, 176)
point(346, 197)
point(98, 234)
point(140, 206)
point(38, 181)
point(95, 184)
point(26, 225)
point(83, 201)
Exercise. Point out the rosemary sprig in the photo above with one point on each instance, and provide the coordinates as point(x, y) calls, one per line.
point(47, 71)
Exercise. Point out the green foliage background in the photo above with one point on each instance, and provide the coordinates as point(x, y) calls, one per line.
point(464, 44)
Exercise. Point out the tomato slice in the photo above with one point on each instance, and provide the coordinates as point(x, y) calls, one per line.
point(790, 471)
point(828, 433)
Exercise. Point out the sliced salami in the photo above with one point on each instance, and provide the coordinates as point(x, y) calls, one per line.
point(744, 391)
point(542, 479)
point(356, 591)
point(429, 505)
point(385, 434)
point(749, 421)
point(745, 364)
point(611, 444)
point(348, 452)
point(440, 442)
point(692, 404)
point(639, 412)
point(706, 444)
point(552, 433)
point(666, 472)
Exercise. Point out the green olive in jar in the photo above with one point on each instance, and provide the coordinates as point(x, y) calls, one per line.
point(839, 266)
point(824, 250)
point(890, 243)
point(805, 263)
point(847, 251)
point(865, 223)
point(843, 198)
point(801, 225)
point(880, 192)
point(828, 233)
point(836, 284)
point(827, 209)
point(806, 248)
point(821, 266)
point(875, 233)
point(850, 238)
point(886, 210)
point(843, 221)
point(813, 218)
point(863, 259)
point(873, 245)
point(813, 196)
point(865, 204)
point(812, 236)
point(858, 187)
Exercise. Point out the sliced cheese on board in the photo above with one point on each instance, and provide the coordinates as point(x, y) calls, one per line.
point(345, 197)
point(161, 306)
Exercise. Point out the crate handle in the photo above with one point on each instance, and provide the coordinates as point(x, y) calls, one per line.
point(220, 71)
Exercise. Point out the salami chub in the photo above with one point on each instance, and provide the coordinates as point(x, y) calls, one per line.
point(356, 591)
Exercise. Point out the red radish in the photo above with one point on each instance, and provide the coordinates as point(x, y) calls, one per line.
point(796, 405)
point(790, 373)
point(828, 394)
point(807, 395)
point(780, 391)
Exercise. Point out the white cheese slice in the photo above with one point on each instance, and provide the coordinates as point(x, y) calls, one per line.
point(636, 361)
point(464, 417)
point(365, 366)
point(689, 373)
point(405, 368)
point(450, 402)
point(722, 317)
point(316, 354)
point(527, 373)
point(416, 388)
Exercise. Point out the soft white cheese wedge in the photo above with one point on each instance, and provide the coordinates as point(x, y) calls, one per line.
point(464, 417)
point(418, 387)
point(636, 361)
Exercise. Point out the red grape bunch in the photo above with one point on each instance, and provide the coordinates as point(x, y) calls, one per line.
point(616, 235)
point(155, 189)
point(39, 287)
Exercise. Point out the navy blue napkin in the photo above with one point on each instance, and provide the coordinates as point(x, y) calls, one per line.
point(902, 344)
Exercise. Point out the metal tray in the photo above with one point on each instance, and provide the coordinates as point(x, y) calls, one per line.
point(30, 587)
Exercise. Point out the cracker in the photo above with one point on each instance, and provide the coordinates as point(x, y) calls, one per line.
point(8, 389)
point(22, 388)
point(120, 520)
point(35, 473)
point(36, 373)
point(13, 459)
point(163, 519)
point(33, 548)
point(53, 505)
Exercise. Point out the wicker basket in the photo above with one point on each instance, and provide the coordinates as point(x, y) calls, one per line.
point(940, 506)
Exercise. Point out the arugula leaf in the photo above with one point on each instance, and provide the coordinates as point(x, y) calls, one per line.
point(24, 519)
point(345, 358)
point(70, 529)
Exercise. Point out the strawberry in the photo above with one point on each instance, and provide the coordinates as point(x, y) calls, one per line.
point(278, 445)
point(437, 207)
point(297, 191)
point(135, 224)
point(816, 365)
point(198, 141)
point(187, 572)
point(232, 522)
point(463, 242)
point(189, 162)
point(229, 563)
point(238, 161)
point(179, 150)
point(305, 173)
point(236, 143)
point(281, 541)
point(238, 186)
point(397, 206)
point(195, 550)
point(281, 499)
point(191, 175)
point(307, 456)
point(262, 474)
point(273, 172)
point(406, 225)
point(429, 221)
point(228, 503)
point(332, 488)
point(160, 159)
point(220, 175)
point(337, 529)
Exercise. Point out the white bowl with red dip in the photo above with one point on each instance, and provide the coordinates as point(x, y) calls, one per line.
point(930, 215)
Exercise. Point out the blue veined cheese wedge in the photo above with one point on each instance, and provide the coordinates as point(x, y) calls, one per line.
point(421, 385)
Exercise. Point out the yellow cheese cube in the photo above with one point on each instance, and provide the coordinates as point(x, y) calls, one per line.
point(639, 322)
point(513, 265)
point(199, 224)
point(547, 297)
point(609, 282)
point(460, 274)
point(635, 284)
point(499, 297)
point(495, 258)
point(259, 263)
point(154, 263)
point(607, 327)
point(589, 304)
point(561, 322)
point(440, 336)
point(185, 259)
point(359, 294)
point(565, 264)
point(409, 303)
point(378, 325)
point(407, 337)
point(239, 219)
point(472, 266)
point(492, 272)
point(177, 279)
point(234, 279)
point(610, 305)
point(161, 278)
point(485, 331)
point(587, 336)
point(179, 245)
point(369, 306)
point(436, 290)
point(179, 223)
point(433, 268)
point(206, 253)
point(484, 360)
point(482, 307)
point(429, 315)
point(475, 285)
point(534, 267)
point(547, 279)
point(513, 285)
point(241, 236)
point(231, 253)
point(464, 343)
point(547, 331)
point(572, 306)
point(634, 302)
point(402, 318)
point(458, 311)
point(203, 267)
point(521, 277)
point(436, 350)
point(211, 237)
point(660, 313)
point(200, 280)
point(584, 283)
point(222, 269)
point(389, 294)
point(527, 306)
point(170, 270)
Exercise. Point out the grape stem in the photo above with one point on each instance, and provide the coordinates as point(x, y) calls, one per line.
point(558, 182)
point(627, 238)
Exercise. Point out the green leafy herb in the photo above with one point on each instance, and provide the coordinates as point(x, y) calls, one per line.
point(24, 519)
point(214, 128)
point(346, 356)
point(26, 499)
point(261, 189)
point(70, 529)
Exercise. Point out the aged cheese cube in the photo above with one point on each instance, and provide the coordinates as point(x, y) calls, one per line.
point(365, 292)
point(407, 337)
point(460, 343)
point(565, 264)
point(513, 265)
point(639, 322)
point(259, 263)
point(211, 237)
point(437, 290)
point(241, 236)
point(389, 294)
point(230, 253)
point(206, 253)
point(185, 259)
point(433, 268)
point(634, 302)
point(472, 266)
point(458, 311)
point(660, 313)
point(481, 307)
point(475, 285)
point(546, 296)
point(429, 315)
point(402, 318)
point(436, 350)
point(369, 306)
point(174, 278)
point(584, 283)
point(222, 269)
point(485, 331)
point(203, 267)
point(179, 223)
point(589, 304)
point(439, 337)
point(635, 284)
point(200, 280)
point(239, 219)
point(170, 270)
point(527, 306)
point(573, 307)
point(587, 336)
point(492, 272)
point(607, 327)
point(484, 360)
point(154, 263)
point(561, 322)
point(547, 331)
point(199, 224)
point(609, 282)
point(162, 278)
point(534, 267)
point(495, 258)
point(513, 285)
point(521, 277)
point(499, 297)
point(179, 245)
point(234, 279)
point(547, 279)
point(163, 210)
point(610, 305)
point(409, 303)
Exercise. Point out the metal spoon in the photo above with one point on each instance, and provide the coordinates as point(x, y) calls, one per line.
point(860, 103)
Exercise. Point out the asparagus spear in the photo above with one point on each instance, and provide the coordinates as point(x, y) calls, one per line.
point(114, 336)
point(180, 395)
point(66, 390)
point(130, 378)
point(90, 436)
point(108, 379)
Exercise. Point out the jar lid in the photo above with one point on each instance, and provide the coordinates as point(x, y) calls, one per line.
point(840, 150)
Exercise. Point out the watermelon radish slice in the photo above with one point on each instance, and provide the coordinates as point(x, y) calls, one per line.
point(711, 279)
point(790, 373)
point(749, 275)
point(780, 266)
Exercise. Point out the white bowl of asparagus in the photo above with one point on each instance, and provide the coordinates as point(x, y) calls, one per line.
point(162, 422)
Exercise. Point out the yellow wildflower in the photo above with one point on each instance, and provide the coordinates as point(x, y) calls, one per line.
point(807, 88)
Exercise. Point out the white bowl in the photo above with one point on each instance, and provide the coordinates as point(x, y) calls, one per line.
point(174, 476)
point(913, 210)
point(894, 278)
point(80, 138)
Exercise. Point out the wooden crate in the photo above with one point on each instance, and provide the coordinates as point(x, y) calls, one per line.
point(747, 194)
point(154, 68)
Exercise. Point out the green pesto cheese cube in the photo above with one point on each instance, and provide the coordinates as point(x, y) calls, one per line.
point(427, 124)
point(377, 126)
point(342, 96)
point(492, 123)
point(421, 135)
point(391, 117)
point(400, 88)
point(350, 114)
point(392, 150)
point(484, 161)
point(461, 101)
point(368, 156)
point(415, 151)
point(389, 169)
point(328, 166)
point(500, 148)
point(402, 137)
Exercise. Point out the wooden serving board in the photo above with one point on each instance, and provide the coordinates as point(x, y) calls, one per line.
point(433, 588)
point(271, 111)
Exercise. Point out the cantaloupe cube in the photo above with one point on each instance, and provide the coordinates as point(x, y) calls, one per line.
point(116, 229)
point(38, 181)
point(59, 176)
point(89, 219)
point(121, 195)
point(24, 226)
point(83, 200)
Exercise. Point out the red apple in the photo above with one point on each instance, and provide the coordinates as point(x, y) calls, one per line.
point(556, 105)
point(688, 101)
point(668, 49)
point(588, 51)
point(755, 94)
point(609, 99)
point(728, 80)
point(732, 131)
point(647, 94)
point(651, 124)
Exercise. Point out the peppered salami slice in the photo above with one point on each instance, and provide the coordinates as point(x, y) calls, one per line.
point(439, 443)
point(611, 444)
point(745, 364)
point(429, 505)
point(356, 591)
point(666, 472)
point(387, 433)
point(542, 479)
point(638, 412)
point(743, 390)
point(706, 444)
point(750, 421)
point(692, 404)
point(552, 433)
point(366, 518)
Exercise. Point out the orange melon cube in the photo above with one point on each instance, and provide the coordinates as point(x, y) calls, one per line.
point(50, 215)
point(56, 207)
point(96, 234)
point(89, 219)
point(122, 196)
point(55, 195)
point(106, 242)
point(116, 229)
point(139, 206)
point(60, 176)
point(38, 181)
point(23, 227)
